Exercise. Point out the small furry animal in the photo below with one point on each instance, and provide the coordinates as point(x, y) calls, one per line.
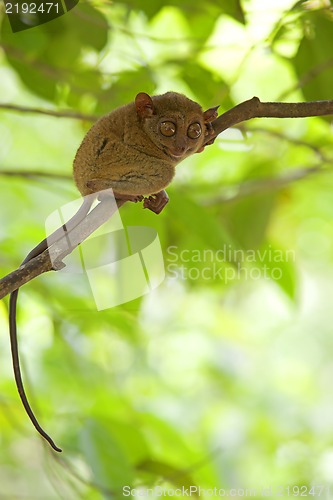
point(133, 150)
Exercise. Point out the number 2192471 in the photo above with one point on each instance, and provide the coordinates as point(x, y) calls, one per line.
point(31, 8)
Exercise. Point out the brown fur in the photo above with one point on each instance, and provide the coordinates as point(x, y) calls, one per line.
point(126, 151)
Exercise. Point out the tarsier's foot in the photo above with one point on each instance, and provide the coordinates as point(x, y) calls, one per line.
point(156, 202)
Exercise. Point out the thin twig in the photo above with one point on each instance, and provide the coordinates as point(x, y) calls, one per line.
point(249, 188)
point(308, 77)
point(50, 112)
point(32, 174)
point(279, 135)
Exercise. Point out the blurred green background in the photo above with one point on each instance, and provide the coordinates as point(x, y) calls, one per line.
point(222, 376)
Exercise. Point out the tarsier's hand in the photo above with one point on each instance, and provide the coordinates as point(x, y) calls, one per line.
point(156, 202)
point(210, 132)
point(210, 116)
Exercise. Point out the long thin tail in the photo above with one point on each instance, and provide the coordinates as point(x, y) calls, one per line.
point(17, 370)
point(40, 248)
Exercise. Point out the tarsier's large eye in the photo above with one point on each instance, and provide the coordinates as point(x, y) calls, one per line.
point(194, 131)
point(168, 129)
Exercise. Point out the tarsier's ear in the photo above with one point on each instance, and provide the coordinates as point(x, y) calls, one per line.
point(144, 105)
point(211, 114)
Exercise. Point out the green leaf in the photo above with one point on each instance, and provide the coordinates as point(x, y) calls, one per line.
point(202, 22)
point(248, 219)
point(108, 460)
point(148, 7)
point(128, 84)
point(88, 25)
point(285, 275)
point(198, 223)
point(313, 61)
point(209, 88)
point(177, 477)
point(50, 54)
point(278, 264)
point(233, 8)
point(32, 76)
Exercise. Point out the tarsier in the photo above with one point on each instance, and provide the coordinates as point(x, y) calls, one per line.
point(133, 150)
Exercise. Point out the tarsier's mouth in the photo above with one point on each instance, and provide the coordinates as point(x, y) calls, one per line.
point(176, 155)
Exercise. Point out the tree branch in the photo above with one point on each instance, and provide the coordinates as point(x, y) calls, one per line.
point(58, 114)
point(253, 108)
point(60, 249)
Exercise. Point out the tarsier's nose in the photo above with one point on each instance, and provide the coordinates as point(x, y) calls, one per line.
point(178, 150)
